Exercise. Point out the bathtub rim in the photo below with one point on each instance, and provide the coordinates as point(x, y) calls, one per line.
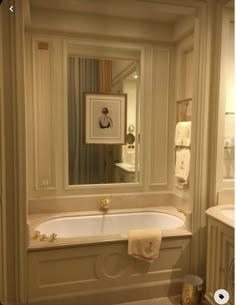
point(35, 220)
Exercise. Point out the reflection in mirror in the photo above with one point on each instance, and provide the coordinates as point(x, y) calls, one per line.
point(100, 163)
point(130, 138)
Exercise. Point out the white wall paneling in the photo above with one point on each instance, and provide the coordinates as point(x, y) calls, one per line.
point(185, 67)
point(225, 157)
point(159, 117)
point(220, 35)
point(200, 126)
point(13, 140)
point(42, 115)
point(3, 273)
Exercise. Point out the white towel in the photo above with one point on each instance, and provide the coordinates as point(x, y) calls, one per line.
point(144, 244)
point(186, 133)
point(183, 134)
point(179, 134)
point(182, 164)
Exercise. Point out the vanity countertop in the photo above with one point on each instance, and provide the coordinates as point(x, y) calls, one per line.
point(127, 167)
point(224, 213)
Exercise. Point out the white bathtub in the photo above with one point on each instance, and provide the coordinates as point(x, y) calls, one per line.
point(108, 224)
point(89, 259)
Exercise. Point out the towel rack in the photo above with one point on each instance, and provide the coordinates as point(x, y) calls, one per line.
point(181, 146)
point(181, 110)
point(183, 107)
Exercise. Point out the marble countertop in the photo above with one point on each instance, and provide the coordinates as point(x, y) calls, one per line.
point(216, 213)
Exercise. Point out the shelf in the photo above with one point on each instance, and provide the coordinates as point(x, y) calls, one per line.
point(229, 113)
point(229, 147)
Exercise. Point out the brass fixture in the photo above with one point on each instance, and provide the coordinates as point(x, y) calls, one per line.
point(44, 237)
point(53, 237)
point(104, 203)
point(36, 234)
point(182, 211)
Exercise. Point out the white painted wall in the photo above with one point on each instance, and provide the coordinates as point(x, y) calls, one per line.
point(189, 61)
point(129, 87)
point(228, 171)
point(89, 24)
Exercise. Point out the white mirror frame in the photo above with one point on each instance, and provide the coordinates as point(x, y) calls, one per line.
point(103, 50)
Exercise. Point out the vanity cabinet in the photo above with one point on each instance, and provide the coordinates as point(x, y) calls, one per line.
point(125, 173)
point(41, 115)
point(220, 259)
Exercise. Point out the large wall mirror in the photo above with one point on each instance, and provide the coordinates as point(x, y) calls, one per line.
point(105, 162)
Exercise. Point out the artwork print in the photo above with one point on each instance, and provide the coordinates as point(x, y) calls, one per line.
point(105, 118)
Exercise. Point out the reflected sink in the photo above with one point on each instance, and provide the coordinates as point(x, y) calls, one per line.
point(126, 166)
point(228, 213)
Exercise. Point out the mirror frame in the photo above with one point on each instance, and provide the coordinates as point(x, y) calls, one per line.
point(103, 50)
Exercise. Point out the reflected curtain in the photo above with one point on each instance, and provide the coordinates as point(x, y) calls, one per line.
point(88, 163)
point(85, 161)
point(105, 76)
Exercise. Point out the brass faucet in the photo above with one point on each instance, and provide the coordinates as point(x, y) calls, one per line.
point(104, 203)
point(36, 234)
point(182, 211)
point(53, 237)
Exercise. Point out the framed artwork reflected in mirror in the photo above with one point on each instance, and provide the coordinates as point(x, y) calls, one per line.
point(105, 118)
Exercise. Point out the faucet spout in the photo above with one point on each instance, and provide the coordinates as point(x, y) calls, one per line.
point(104, 203)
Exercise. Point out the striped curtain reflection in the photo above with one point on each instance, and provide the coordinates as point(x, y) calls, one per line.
point(85, 161)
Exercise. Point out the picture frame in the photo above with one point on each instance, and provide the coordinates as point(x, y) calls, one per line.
point(105, 118)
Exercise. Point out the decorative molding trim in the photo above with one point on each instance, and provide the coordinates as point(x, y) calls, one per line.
point(111, 50)
point(20, 208)
point(3, 218)
point(27, 13)
point(159, 117)
point(38, 85)
point(199, 148)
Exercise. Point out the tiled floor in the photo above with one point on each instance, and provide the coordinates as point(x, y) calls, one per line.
point(159, 301)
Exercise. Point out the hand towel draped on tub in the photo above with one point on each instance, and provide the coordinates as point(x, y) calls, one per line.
point(144, 244)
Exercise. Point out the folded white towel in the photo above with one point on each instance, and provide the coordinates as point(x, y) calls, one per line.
point(179, 134)
point(144, 244)
point(183, 134)
point(186, 133)
point(182, 164)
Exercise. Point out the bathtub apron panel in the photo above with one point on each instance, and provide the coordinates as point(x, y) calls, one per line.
point(83, 274)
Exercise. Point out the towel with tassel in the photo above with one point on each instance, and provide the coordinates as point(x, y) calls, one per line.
point(144, 244)
point(182, 164)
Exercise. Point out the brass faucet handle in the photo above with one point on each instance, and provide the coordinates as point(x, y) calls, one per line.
point(53, 237)
point(44, 237)
point(37, 234)
point(182, 211)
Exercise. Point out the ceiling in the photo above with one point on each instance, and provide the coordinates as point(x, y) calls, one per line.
point(148, 10)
